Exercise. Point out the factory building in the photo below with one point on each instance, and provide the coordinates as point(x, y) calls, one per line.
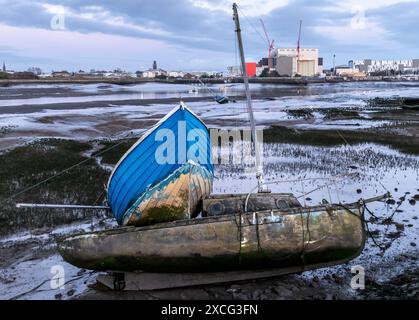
point(236, 71)
point(369, 65)
point(288, 63)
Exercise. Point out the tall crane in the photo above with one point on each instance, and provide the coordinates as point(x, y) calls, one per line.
point(270, 45)
point(298, 44)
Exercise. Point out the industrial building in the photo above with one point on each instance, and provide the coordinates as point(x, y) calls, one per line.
point(306, 62)
point(236, 71)
point(370, 66)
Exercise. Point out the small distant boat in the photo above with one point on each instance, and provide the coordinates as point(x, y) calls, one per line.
point(221, 99)
point(165, 174)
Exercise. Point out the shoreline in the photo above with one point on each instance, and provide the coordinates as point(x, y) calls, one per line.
point(131, 81)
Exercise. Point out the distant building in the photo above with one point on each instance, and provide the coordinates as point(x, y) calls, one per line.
point(61, 74)
point(154, 72)
point(264, 63)
point(320, 65)
point(251, 69)
point(288, 63)
point(234, 71)
point(176, 74)
point(189, 76)
point(206, 74)
point(348, 71)
point(375, 66)
point(23, 75)
point(4, 66)
point(93, 74)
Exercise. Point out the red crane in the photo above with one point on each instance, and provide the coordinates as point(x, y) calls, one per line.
point(298, 43)
point(270, 45)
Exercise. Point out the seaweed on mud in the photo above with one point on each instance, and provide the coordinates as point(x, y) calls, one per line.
point(333, 113)
point(27, 165)
point(384, 103)
point(280, 134)
point(6, 129)
point(328, 113)
point(300, 113)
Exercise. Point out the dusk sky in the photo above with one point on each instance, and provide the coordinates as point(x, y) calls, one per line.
point(198, 34)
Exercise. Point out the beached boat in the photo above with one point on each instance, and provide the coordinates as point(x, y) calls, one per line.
point(291, 237)
point(165, 174)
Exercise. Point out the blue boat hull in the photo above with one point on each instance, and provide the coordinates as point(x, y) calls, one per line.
point(176, 140)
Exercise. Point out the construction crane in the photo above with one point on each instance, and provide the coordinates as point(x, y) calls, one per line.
point(270, 45)
point(298, 44)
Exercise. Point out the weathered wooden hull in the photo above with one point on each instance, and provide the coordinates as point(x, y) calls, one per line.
point(319, 236)
point(177, 197)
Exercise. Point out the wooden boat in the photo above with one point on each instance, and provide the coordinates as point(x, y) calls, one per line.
point(297, 236)
point(168, 168)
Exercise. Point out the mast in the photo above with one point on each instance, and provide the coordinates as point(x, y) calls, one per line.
point(259, 169)
point(298, 47)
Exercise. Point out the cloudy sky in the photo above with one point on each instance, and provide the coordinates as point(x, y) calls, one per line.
point(198, 34)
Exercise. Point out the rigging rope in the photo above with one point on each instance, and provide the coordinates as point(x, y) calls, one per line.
point(252, 25)
point(333, 178)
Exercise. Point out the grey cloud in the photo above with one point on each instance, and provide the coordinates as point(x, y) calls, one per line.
point(197, 28)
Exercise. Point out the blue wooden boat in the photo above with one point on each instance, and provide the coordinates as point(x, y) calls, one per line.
point(165, 174)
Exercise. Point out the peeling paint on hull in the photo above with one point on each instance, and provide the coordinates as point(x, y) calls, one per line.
point(279, 239)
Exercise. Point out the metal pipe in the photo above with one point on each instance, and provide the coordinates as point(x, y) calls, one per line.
point(60, 206)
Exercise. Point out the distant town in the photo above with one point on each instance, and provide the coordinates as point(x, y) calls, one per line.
point(288, 64)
